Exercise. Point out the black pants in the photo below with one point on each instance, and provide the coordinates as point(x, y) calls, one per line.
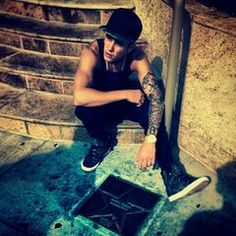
point(97, 119)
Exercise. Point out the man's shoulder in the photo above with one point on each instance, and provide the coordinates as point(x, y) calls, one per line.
point(138, 53)
point(139, 61)
point(92, 49)
point(89, 56)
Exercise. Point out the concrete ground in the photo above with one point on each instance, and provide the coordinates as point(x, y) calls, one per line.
point(41, 183)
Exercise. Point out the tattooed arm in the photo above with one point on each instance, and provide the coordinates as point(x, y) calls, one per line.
point(151, 89)
point(147, 152)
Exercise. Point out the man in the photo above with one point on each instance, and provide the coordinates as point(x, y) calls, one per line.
point(103, 96)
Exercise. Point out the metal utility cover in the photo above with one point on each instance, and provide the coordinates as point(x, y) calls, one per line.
point(119, 206)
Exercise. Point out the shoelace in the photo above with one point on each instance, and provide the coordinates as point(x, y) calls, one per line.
point(178, 177)
point(184, 178)
point(94, 151)
point(176, 170)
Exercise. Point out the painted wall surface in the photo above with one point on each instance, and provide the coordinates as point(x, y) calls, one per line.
point(208, 119)
point(156, 18)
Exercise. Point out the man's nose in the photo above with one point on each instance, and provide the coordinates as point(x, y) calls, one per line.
point(111, 45)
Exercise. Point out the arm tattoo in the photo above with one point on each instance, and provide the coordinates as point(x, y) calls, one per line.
point(151, 89)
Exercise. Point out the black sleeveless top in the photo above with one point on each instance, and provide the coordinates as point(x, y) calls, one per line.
point(105, 80)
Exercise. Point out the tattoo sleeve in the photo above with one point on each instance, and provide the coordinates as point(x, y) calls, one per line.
point(153, 92)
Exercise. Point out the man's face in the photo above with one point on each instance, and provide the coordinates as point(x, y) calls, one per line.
point(113, 49)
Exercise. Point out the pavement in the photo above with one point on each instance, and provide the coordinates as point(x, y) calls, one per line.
point(42, 186)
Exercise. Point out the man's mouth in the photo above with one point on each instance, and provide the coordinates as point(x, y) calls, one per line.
point(108, 55)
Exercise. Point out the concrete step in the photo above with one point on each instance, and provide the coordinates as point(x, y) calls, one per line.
point(50, 116)
point(71, 11)
point(47, 37)
point(84, 4)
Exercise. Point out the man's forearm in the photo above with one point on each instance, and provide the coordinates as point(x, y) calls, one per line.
point(156, 107)
point(91, 97)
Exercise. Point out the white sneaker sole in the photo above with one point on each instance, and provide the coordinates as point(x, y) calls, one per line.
point(88, 169)
point(196, 186)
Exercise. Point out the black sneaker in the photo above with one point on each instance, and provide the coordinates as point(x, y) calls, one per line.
point(96, 154)
point(179, 185)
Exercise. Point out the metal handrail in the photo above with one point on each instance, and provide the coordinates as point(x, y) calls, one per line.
point(172, 65)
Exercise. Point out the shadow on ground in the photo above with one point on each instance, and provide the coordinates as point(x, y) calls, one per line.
point(39, 189)
point(217, 222)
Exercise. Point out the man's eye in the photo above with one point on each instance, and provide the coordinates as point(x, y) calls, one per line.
point(108, 37)
point(120, 43)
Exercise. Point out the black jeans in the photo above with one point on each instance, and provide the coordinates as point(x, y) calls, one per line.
point(97, 119)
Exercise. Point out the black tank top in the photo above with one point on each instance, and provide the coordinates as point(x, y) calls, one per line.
point(105, 80)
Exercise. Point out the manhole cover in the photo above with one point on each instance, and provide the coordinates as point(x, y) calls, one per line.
point(119, 206)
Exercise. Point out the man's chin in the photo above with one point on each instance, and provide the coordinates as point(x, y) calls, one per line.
point(107, 59)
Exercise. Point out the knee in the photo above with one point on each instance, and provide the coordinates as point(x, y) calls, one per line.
point(87, 113)
point(82, 112)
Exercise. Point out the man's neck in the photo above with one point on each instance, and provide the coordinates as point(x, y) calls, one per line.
point(116, 66)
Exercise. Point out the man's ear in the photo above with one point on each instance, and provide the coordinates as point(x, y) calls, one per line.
point(131, 47)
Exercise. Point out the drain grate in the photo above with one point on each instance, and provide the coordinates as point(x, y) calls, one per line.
point(119, 206)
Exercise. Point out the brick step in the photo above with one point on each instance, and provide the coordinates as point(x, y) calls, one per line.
point(50, 116)
point(47, 37)
point(37, 71)
point(71, 11)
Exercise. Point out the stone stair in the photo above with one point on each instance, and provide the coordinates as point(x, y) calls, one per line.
point(40, 44)
point(70, 11)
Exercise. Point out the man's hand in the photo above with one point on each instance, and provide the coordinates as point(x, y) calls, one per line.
point(146, 155)
point(135, 96)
